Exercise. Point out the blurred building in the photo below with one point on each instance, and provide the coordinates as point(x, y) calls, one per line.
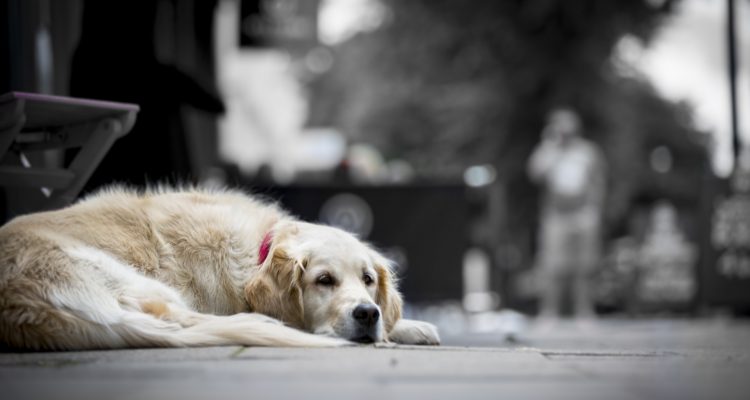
point(368, 96)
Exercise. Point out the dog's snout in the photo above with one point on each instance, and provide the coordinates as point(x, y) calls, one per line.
point(366, 314)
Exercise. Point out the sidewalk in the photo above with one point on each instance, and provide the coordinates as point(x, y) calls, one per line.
point(617, 359)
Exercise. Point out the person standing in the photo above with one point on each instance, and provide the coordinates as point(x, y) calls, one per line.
point(570, 170)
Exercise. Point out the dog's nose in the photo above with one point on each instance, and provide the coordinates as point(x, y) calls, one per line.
point(366, 314)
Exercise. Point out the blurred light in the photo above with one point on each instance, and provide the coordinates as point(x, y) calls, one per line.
point(480, 175)
point(348, 212)
point(339, 20)
point(480, 302)
point(628, 53)
point(661, 159)
point(318, 149)
point(366, 164)
point(319, 60)
point(400, 171)
point(476, 282)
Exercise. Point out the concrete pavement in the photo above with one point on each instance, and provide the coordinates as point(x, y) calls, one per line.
point(616, 359)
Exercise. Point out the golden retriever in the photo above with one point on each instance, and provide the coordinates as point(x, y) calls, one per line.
point(191, 268)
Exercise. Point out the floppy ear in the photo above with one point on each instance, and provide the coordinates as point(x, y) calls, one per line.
point(275, 289)
point(387, 296)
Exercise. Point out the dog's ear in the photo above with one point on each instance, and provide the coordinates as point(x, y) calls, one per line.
point(275, 289)
point(387, 296)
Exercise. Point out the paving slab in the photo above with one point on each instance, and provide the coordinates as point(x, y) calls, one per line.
point(618, 360)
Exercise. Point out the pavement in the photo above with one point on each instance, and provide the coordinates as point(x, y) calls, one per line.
point(612, 359)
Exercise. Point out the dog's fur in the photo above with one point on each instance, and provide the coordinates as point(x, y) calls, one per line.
point(183, 268)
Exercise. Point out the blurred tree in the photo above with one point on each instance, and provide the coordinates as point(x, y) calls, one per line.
point(445, 84)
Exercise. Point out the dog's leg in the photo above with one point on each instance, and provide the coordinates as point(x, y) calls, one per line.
point(409, 331)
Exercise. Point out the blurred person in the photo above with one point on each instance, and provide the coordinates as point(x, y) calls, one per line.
point(570, 170)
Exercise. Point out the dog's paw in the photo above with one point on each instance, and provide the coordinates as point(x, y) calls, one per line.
point(408, 331)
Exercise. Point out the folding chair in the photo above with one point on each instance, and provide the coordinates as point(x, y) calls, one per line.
point(35, 131)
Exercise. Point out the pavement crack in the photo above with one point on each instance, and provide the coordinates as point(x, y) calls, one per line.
point(557, 355)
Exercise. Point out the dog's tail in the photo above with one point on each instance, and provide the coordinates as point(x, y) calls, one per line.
point(246, 329)
point(28, 321)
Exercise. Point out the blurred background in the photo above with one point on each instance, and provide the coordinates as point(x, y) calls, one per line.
point(411, 123)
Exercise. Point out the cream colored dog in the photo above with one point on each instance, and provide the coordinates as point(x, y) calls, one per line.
point(191, 268)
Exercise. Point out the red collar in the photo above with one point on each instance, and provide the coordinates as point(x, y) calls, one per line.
point(265, 247)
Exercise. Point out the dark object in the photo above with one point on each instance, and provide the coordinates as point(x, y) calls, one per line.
point(253, 25)
point(33, 123)
point(732, 64)
point(116, 59)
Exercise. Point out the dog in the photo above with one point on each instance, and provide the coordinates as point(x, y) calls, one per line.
point(192, 267)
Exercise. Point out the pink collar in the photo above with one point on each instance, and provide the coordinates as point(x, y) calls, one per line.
point(265, 247)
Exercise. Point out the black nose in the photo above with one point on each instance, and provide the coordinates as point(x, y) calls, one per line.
point(366, 314)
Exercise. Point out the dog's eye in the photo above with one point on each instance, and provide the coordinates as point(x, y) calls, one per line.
point(324, 280)
point(367, 279)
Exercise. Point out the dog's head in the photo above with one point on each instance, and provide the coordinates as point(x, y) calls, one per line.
point(323, 280)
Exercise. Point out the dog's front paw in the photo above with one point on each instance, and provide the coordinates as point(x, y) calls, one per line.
point(408, 331)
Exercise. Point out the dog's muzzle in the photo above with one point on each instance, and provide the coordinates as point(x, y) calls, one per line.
point(366, 317)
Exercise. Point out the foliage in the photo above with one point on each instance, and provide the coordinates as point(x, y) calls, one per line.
point(446, 84)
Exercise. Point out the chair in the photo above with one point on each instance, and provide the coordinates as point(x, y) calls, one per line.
point(36, 130)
